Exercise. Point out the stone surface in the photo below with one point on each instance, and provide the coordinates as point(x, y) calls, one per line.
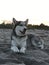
point(12, 64)
point(33, 56)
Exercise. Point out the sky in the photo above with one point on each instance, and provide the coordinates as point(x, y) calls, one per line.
point(37, 11)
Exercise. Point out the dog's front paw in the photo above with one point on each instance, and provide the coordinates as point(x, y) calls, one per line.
point(22, 50)
point(15, 49)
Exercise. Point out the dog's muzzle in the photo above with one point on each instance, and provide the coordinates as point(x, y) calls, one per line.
point(24, 30)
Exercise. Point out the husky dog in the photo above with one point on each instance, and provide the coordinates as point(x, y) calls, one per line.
point(37, 41)
point(19, 36)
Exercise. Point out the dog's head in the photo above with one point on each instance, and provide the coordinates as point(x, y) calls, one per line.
point(20, 27)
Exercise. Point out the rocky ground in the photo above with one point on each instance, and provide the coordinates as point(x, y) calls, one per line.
point(33, 56)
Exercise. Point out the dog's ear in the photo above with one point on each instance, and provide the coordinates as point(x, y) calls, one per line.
point(14, 21)
point(26, 22)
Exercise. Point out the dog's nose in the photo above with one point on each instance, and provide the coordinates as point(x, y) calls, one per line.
point(25, 29)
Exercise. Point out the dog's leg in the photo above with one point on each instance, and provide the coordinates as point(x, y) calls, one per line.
point(22, 50)
point(14, 47)
point(23, 47)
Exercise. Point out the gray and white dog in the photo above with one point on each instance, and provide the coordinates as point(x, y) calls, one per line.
point(19, 36)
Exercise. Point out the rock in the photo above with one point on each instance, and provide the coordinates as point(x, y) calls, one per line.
point(12, 64)
point(33, 56)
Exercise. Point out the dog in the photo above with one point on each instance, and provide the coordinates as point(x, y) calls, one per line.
point(19, 36)
point(37, 41)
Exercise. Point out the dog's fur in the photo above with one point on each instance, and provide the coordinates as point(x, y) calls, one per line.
point(19, 36)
